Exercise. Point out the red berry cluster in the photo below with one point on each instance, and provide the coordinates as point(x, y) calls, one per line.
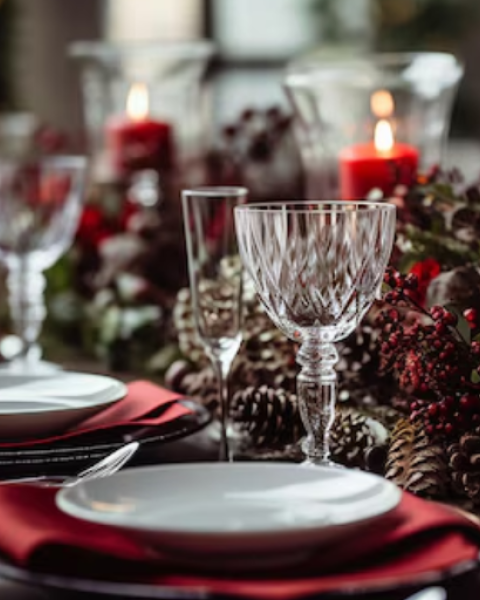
point(432, 362)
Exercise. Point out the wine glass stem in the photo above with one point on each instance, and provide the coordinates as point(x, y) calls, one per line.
point(222, 372)
point(316, 387)
point(26, 287)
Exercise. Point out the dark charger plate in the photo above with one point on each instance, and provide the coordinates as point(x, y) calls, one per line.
point(462, 580)
point(68, 457)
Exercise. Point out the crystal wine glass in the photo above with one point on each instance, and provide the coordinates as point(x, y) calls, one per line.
point(317, 268)
point(215, 272)
point(40, 204)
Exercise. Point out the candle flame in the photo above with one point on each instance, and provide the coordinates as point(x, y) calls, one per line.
point(137, 102)
point(383, 136)
point(382, 104)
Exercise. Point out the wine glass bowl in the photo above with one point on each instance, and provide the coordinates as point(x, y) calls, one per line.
point(40, 205)
point(39, 209)
point(317, 267)
point(219, 316)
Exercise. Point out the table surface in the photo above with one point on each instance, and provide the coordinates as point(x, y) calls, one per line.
point(201, 446)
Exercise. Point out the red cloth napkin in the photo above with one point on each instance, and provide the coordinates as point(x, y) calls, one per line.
point(144, 405)
point(423, 537)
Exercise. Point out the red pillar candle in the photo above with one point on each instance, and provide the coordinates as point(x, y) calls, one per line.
point(382, 163)
point(135, 141)
point(363, 168)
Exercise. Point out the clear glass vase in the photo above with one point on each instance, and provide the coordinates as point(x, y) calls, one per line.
point(145, 107)
point(370, 122)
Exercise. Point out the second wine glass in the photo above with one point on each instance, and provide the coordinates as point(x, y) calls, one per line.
point(215, 271)
point(40, 205)
point(316, 267)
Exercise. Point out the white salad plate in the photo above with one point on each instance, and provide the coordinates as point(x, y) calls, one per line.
point(32, 406)
point(240, 514)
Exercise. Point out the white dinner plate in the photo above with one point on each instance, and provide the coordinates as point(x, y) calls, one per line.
point(34, 406)
point(240, 515)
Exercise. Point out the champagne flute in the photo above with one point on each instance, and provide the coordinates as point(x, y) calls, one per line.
point(40, 205)
point(215, 271)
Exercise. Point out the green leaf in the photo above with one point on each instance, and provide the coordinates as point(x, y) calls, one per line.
point(475, 377)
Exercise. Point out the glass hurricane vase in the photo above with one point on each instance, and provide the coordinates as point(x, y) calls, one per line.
point(145, 107)
point(370, 122)
point(317, 268)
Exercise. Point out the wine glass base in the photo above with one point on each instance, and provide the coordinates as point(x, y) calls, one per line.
point(313, 463)
point(235, 438)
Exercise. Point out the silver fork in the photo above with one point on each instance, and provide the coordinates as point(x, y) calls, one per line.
point(109, 465)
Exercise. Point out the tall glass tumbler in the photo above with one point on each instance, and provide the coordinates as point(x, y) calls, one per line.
point(215, 271)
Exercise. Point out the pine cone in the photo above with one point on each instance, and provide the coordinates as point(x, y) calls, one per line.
point(416, 463)
point(358, 350)
point(270, 417)
point(176, 373)
point(267, 356)
point(272, 420)
point(465, 466)
point(202, 386)
point(262, 339)
point(272, 372)
point(184, 324)
point(351, 436)
point(358, 367)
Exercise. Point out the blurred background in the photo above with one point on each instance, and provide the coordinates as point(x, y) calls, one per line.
point(254, 41)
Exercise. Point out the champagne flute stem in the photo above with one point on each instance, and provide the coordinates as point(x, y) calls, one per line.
point(26, 287)
point(316, 387)
point(222, 378)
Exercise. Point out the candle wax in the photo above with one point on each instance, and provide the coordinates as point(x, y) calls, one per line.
point(139, 144)
point(363, 167)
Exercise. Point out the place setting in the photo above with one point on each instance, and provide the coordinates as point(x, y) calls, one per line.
point(47, 430)
point(54, 420)
point(110, 536)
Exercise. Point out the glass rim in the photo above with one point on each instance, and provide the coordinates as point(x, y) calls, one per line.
point(215, 191)
point(315, 206)
point(65, 160)
point(309, 64)
point(85, 49)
